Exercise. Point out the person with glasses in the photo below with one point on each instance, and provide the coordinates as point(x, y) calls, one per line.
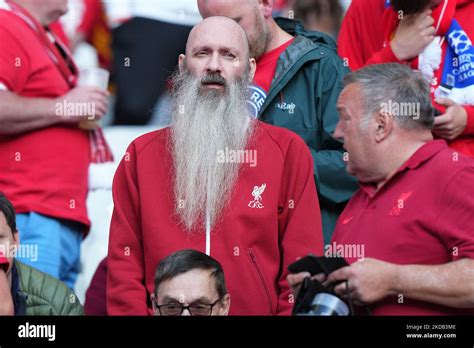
point(189, 282)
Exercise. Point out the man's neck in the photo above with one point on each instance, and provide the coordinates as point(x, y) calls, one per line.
point(278, 36)
point(405, 151)
point(31, 10)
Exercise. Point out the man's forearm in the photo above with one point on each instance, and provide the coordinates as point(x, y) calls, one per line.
point(20, 114)
point(451, 284)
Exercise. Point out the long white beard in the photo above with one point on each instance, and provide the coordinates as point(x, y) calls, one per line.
point(204, 123)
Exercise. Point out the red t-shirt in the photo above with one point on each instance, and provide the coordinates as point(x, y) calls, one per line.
point(262, 81)
point(423, 215)
point(266, 66)
point(44, 170)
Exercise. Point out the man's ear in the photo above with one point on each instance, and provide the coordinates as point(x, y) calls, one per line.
point(181, 62)
point(201, 4)
point(225, 305)
point(267, 7)
point(385, 123)
point(253, 68)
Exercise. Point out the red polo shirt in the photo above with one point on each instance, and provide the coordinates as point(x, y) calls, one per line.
point(423, 215)
point(44, 170)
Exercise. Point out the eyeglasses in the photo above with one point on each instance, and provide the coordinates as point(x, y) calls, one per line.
point(177, 309)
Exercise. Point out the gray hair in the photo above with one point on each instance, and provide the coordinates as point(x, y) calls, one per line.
point(205, 123)
point(398, 89)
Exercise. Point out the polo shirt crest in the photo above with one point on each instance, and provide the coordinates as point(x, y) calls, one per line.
point(400, 204)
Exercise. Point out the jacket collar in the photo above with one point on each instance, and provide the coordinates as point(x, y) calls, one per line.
point(292, 57)
point(307, 46)
point(19, 298)
point(296, 28)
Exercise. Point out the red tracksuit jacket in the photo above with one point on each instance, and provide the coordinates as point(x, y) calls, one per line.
point(254, 246)
point(361, 41)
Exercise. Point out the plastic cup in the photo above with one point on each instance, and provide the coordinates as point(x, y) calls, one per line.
point(93, 77)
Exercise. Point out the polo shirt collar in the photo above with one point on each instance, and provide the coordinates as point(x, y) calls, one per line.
point(423, 154)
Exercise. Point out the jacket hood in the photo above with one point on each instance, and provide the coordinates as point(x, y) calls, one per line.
point(307, 46)
point(296, 28)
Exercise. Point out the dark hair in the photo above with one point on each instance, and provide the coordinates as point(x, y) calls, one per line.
point(320, 9)
point(186, 260)
point(7, 209)
point(410, 6)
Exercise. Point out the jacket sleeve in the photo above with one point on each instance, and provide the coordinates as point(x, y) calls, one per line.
point(126, 292)
point(75, 308)
point(385, 55)
point(335, 185)
point(45, 295)
point(350, 43)
point(300, 231)
point(11, 76)
point(355, 45)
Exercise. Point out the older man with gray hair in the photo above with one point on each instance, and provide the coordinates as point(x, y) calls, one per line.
point(413, 214)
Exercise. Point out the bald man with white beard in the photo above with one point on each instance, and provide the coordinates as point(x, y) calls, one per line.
point(216, 181)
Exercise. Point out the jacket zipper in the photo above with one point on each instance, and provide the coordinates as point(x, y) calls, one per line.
point(208, 221)
point(253, 259)
point(208, 233)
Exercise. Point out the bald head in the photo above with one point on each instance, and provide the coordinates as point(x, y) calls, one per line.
point(216, 28)
point(254, 16)
point(218, 46)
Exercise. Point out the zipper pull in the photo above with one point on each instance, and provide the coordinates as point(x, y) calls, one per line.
point(252, 256)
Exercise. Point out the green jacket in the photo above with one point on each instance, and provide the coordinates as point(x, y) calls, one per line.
point(302, 98)
point(37, 293)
